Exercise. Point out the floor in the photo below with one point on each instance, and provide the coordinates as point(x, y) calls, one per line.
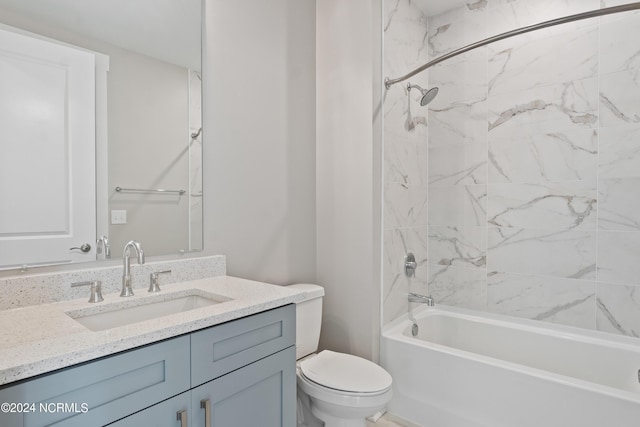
point(388, 420)
point(384, 422)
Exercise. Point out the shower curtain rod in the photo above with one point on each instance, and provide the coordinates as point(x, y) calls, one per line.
point(571, 18)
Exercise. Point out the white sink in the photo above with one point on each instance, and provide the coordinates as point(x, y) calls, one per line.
point(125, 313)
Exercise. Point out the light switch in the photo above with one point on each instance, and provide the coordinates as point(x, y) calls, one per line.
point(118, 217)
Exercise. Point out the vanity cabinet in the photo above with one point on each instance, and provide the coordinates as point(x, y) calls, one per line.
point(239, 373)
point(164, 414)
point(109, 388)
point(260, 394)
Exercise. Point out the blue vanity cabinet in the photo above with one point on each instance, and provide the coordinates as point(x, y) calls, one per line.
point(169, 413)
point(244, 369)
point(243, 372)
point(242, 375)
point(99, 392)
point(260, 394)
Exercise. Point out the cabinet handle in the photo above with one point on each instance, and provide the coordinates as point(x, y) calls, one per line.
point(182, 417)
point(206, 405)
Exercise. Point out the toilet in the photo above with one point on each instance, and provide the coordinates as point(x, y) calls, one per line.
point(333, 389)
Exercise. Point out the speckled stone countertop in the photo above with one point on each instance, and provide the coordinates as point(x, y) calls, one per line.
point(42, 338)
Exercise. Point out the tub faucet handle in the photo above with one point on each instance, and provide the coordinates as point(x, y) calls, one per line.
point(410, 265)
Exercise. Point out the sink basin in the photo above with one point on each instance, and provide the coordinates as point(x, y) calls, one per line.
point(124, 313)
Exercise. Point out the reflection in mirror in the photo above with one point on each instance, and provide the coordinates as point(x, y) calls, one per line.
point(143, 122)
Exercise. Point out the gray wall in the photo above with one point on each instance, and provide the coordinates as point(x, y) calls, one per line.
point(286, 202)
point(347, 198)
point(259, 152)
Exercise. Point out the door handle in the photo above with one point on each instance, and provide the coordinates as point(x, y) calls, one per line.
point(84, 248)
point(206, 405)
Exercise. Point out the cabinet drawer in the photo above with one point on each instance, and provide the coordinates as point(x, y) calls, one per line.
point(217, 351)
point(111, 388)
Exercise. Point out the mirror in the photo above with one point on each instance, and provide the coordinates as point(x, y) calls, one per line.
point(148, 129)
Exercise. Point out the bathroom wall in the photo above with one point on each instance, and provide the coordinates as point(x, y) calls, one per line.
point(347, 173)
point(284, 202)
point(259, 133)
point(531, 166)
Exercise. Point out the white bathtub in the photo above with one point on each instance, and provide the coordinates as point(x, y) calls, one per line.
point(467, 368)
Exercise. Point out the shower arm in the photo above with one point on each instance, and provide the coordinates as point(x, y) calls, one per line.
point(546, 24)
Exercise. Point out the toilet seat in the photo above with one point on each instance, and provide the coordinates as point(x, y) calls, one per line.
point(345, 373)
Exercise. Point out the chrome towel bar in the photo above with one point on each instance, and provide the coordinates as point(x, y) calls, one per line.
point(142, 190)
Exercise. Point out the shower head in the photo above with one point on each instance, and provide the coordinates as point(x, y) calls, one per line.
point(427, 95)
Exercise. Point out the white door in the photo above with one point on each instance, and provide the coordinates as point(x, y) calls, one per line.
point(47, 151)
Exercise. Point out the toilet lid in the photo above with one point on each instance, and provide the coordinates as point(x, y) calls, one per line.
point(345, 372)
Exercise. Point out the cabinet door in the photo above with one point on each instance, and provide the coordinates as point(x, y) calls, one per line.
point(104, 390)
point(173, 412)
point(260, 394)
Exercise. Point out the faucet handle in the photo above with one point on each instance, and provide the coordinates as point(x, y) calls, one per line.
point(96, 289)
point(154, 286)
point(410, 265)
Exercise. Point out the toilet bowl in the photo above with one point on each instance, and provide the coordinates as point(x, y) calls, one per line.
point(334, 389)
point(343, 389)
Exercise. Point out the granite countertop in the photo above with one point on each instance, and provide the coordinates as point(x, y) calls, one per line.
point(42, 338)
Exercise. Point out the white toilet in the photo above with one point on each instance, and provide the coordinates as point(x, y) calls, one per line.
point(334, 389)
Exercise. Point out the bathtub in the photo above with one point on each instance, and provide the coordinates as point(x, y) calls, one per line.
point(474, 369)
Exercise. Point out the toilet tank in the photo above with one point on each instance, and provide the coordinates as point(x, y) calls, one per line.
point(308, 319)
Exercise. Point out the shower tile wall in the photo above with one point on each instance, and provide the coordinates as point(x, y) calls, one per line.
point(532, 154)
point(405, 153)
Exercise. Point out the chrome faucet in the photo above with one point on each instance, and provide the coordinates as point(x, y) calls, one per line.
point(422, 299)
point(126, 275)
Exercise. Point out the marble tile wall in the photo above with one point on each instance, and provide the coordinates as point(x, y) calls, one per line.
point(406, 157)
point(530, 164)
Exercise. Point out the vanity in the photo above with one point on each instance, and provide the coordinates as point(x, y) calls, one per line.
point(227, 361)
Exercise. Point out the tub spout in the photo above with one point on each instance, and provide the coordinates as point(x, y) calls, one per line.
point(422, 299)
